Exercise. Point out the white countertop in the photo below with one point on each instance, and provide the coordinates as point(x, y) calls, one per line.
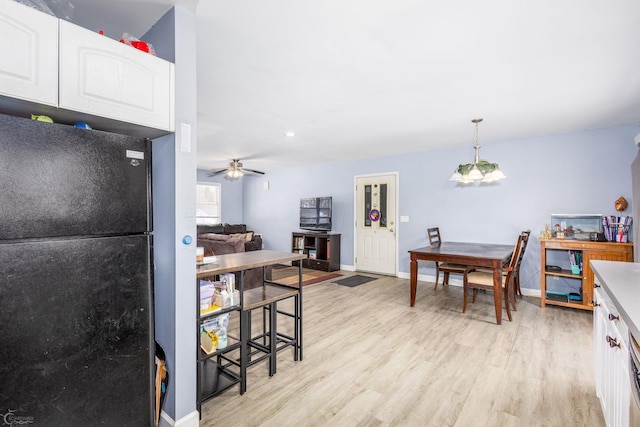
point(621, 280)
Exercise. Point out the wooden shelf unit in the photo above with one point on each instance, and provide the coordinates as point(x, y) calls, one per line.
point(608, 251)
point(322, 250)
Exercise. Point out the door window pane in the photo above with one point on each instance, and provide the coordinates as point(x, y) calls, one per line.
point(383, 205)
point(367, 205)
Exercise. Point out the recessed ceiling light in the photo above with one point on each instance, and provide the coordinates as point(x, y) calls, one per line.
point(290, 133)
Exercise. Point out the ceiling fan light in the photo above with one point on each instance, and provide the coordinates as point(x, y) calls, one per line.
point(455, 176)
point(234, 173)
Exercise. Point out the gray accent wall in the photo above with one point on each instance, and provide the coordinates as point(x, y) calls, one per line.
point(174, 192)
point(581, 172)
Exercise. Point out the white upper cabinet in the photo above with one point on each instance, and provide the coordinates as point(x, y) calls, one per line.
point(53, 67)
point(29, 59)
point(106, 78)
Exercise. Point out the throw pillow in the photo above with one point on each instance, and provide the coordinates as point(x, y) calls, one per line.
point(246, 237)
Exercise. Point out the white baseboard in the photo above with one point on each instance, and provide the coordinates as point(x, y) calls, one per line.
point(192, 419)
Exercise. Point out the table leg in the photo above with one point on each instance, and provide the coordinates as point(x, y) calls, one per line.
point(497, 290)
point(298, 314)
point(273, 328)
point(244, 336)
point(413, 266)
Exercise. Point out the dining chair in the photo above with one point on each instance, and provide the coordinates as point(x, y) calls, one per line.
point(483, 279)
point(516, 275)
point(516, 272)
point(445, 267)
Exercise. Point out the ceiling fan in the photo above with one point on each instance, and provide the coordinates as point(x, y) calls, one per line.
point(234, 170)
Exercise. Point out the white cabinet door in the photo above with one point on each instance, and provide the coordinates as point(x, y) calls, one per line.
point(611, 361)
point(106, 78)
point(599, 343)
point(29, 59)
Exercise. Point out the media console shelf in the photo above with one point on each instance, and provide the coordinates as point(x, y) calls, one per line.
point(553, 250)
point(322, 250)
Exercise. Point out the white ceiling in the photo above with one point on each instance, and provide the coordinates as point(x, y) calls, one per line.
point(367, 78)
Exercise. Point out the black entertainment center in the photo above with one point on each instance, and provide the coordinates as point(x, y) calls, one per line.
point(321, 247)
point(322, 250)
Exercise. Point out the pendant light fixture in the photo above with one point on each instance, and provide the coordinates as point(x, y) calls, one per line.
point(479, 169)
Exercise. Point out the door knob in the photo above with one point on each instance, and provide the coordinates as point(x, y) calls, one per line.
point(391, 230)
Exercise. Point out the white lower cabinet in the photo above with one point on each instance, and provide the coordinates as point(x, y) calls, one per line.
point(29, 60)
point(611, 361)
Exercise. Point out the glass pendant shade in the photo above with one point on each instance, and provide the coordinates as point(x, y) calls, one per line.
point(455, 176)
point(475, 173)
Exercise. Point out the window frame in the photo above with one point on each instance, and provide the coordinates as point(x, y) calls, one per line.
point(208, 219)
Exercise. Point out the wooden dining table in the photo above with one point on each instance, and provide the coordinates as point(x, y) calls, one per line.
point(486, 255)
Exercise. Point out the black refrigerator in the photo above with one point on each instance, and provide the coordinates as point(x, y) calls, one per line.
point(76, 301)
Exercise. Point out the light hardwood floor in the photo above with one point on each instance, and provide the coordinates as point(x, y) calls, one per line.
point(371, 360)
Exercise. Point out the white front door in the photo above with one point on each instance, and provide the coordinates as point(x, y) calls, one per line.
point(376, 223)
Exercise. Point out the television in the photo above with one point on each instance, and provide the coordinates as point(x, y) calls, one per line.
point(315, 214)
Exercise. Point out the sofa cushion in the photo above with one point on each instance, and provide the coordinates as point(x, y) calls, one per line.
point(214, 236)
point(218, 228)
point(227, 245)
point(235, 228)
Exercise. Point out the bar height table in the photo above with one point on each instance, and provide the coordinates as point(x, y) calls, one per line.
point(265, 296)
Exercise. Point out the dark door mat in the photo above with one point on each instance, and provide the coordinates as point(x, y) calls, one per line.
point(355, 280)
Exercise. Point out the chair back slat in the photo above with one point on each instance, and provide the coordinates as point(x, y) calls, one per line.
point(518, 251)
point(434, 236)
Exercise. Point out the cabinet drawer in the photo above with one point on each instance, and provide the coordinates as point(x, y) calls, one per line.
point(612, 316)
point(317, 264)
point(591, 246)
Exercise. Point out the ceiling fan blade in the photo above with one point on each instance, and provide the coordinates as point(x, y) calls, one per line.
point(252, 171)
point(218, 171)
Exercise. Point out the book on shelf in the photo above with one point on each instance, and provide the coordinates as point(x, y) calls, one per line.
point(212, 308)
point(312, 254)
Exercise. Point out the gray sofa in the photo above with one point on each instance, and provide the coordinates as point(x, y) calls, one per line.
point(225, 233)
point(225, 239)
